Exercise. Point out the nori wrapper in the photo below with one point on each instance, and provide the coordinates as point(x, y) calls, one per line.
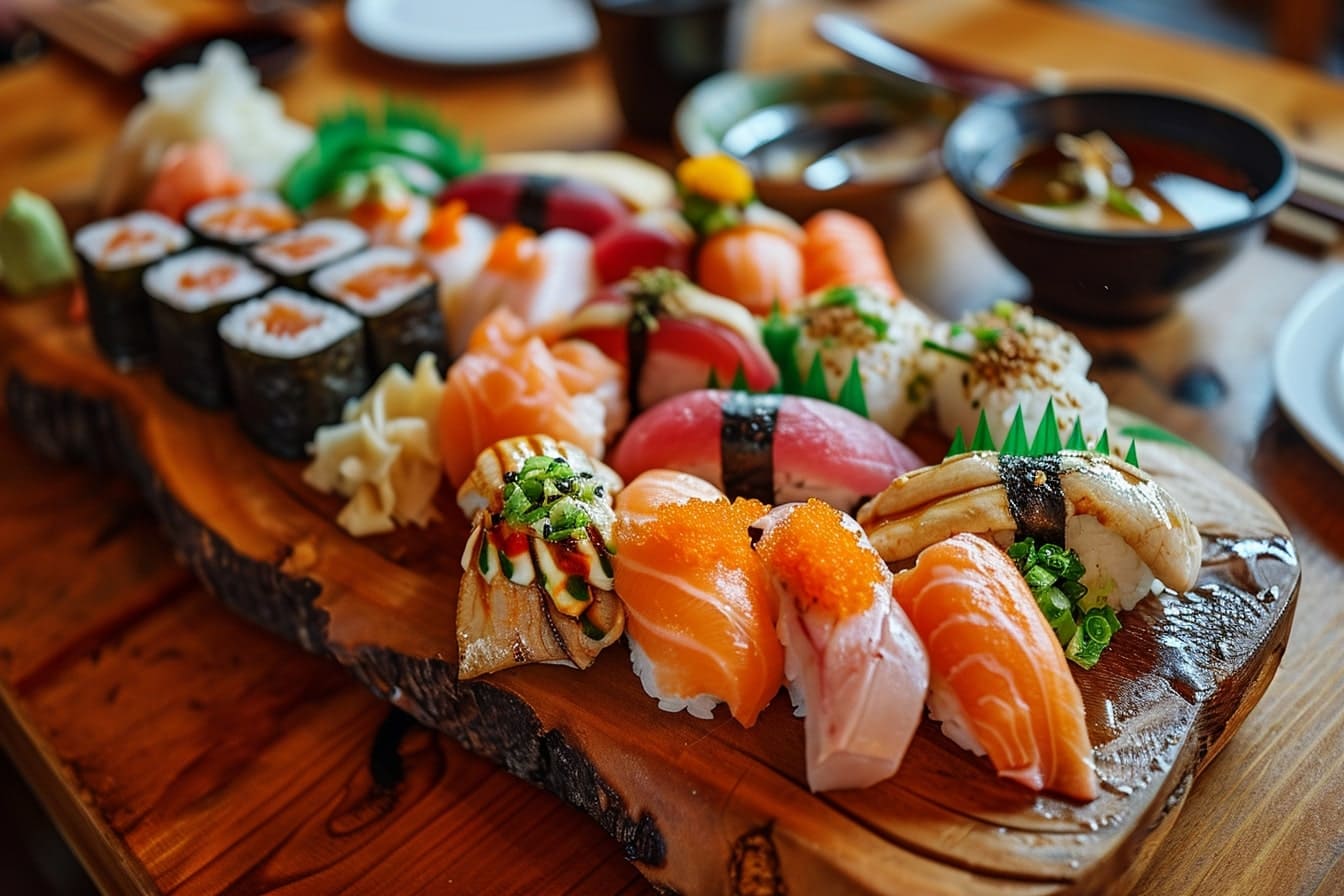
point(406, 332)
point(190, 351)
point(282, 401)
point(119, 312)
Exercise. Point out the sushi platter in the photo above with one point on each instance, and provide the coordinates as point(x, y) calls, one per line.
point(562, 463)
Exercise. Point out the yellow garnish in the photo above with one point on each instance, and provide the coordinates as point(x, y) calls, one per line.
point(822, 560)
point(720, 177)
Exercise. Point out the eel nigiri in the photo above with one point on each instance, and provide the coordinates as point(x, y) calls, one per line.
point(510, 383)
point(672, 337)
point(700, 612)
point(536, 573)
point(841, 249)
point(774, 448)
point(999, 681)
point(854, 664)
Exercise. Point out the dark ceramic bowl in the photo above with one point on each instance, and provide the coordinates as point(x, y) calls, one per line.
point(1118, 277)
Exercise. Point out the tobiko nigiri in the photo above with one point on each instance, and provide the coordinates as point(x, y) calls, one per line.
point(672, 337)
point(699, 609)
point(854, 665)
point(774, 448)
point(999, 681)
point(536, 581)
point(509, 383)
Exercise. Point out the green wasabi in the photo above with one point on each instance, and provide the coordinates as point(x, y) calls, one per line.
point(34, 250)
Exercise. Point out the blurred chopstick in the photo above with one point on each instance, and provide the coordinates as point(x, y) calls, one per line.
point(116, 35)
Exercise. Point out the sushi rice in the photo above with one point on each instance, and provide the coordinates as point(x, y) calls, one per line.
point(327, 240)
point(170, 281)
point(334, 280)
point(217, 220)
point(136, 239)
point(245, 326)
point(701, 705)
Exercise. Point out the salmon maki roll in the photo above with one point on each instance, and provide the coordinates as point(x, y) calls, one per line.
point(700, 612)
point(999, 681)
point(855, 667)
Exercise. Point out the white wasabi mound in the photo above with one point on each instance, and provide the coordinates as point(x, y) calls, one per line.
point(701, 706)
point(245, 327)
point(164, 281)
point(221, 99)
point(946, 708)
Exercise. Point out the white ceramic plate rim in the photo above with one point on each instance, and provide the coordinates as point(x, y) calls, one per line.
point(371, 22)
point(1309, 367)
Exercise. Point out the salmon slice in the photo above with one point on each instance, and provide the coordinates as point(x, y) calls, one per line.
point(754, 266)
point(841, 249)
point(997, 670)
point(699, 609)
point(510, 384)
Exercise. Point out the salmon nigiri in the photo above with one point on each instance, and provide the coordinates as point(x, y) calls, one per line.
point(699, 609)
point(840, 249)
point(999, 680)
point(509, 383)
point(855, 666)
point(756, 266)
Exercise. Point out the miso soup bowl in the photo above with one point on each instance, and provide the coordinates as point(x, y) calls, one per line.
point(1125, 276)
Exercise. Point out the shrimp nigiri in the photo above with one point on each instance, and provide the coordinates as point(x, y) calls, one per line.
point(999, 684)
point(854, 664)
point(509, 383)
point(840, 249)
point(699, 609)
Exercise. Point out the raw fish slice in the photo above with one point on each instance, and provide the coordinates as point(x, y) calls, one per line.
point(699, 609)
point(999, 677)
point(842, 249)
point(853, 662)
point(769, 447)
point(754, 265)
point(504, 389)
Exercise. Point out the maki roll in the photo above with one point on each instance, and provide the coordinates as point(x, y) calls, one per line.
point(236, 222)
point(190, 292)
point(292, 362)
point(113, 256)
point(294, 255)
point(397, 298)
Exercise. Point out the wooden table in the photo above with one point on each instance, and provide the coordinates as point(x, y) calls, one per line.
point(181, 750)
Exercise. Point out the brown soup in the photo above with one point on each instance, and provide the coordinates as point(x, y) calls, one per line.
point(1190, 189)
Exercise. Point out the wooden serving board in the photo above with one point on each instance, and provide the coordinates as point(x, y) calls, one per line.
point(699, 806)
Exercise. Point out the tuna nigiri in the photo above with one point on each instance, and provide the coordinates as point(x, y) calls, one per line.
point(854, 664)
point(699, 610)
point(655, 239)
point(999, 681)
point(673, 337)
point(539, 202)
point(541, 279)
point(510, 384)
point(841, 249)
point(774, 448)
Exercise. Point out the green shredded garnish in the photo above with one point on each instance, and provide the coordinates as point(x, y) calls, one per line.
point(1132, 455)
point(1015, 443)
point(1046, 440)
point(739, 383)
point(982, 440)
point(713, 382)
point(1004, 309)
point(549, 497)
point(1084, 626)
point(781, 336)
point(708, 216)
point(1149, 432)
point(815, 385)
point(958, 445)
point(1103, 445)
point(1076, 441)
point(848, 297)
point(945, 350)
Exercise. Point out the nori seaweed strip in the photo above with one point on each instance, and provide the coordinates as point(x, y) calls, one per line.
point(401, 335)
point(746, 445)
point(119, 312)
point(1035, 496)
point(534, 197)
point(191, 355)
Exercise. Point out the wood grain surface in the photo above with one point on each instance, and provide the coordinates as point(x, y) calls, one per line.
point(1262, 820)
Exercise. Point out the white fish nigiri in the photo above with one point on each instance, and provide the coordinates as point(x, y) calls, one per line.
point(455, 247)
point(541, 279)
point(854, 665)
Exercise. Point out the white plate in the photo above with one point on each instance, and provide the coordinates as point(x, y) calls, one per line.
point(483, 33)
point(1309, 367)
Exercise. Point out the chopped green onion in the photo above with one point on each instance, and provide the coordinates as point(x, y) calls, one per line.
point(944, 350)
point(1083, 624)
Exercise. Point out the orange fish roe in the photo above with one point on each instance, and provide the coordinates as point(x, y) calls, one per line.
point(210, 278)
point(248, 218)
point(686, 534)
point(369, 283)
point(303, 246)
point(822, 560)
point(443, 231)
point(286, 320)
point(515, 251)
